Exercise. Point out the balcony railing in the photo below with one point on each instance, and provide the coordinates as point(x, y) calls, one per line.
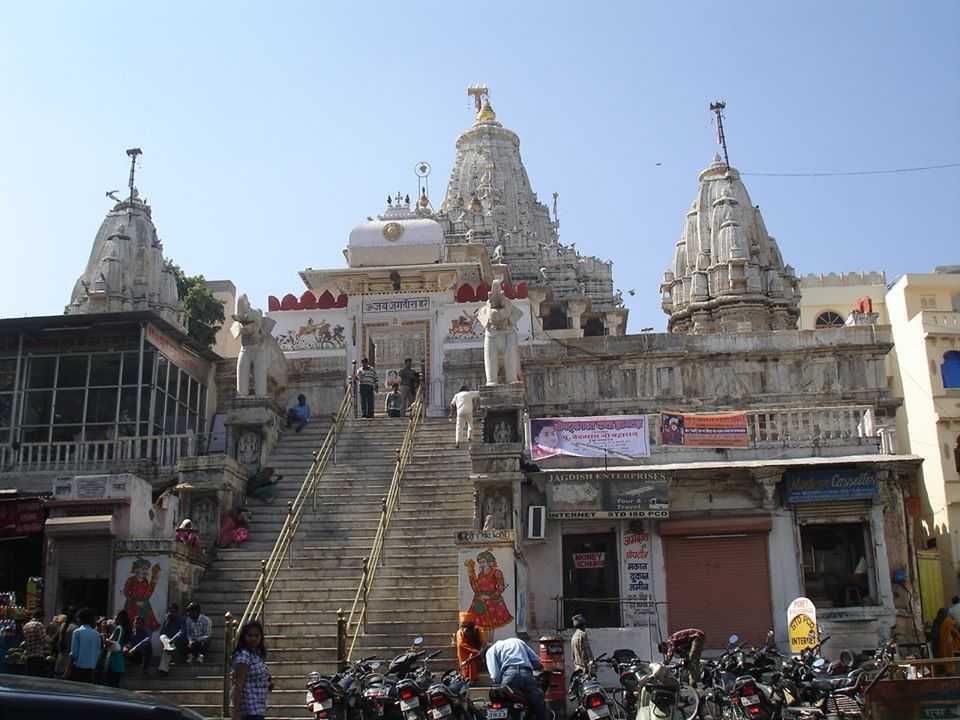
point(161, 451)
point(800, 427)
point(941, 321)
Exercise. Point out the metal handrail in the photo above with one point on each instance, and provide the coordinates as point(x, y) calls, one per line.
point(270, 567)
point(357, 619)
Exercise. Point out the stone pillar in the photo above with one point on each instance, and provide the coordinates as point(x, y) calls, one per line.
point(495, 460)
point(210, 487)
point(253, 430)
point(576, 307)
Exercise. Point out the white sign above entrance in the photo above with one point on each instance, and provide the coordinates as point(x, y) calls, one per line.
point(414, 304)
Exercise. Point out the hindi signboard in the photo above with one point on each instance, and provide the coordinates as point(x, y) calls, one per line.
point(614, 494)
point(802, 625)
point(413, 304)
point(714, 430)
point(615, 436)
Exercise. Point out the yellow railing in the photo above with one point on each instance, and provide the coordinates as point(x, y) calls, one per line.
point(357, 619)
point(270, 568)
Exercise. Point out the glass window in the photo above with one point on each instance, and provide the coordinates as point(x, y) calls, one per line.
point(73, 371)
point(6, 406)
point(145, 404)
point(191, 421)
point(836, 568)
point(162, 365)
point(829, 319)
point(158, 409)
point(67, 433)
point(202, 406)
point(41, 372)
point(35, 434)
point(105, 369)
point(149, 357)
point(184, 387)
point(37, 406)
point(192, 397)
point(99, 433)
point(8, 373)
point(128, 405)
point(950, 370)
point(131, 364)
point(181, 419)
point(102, 405)
point(69, 407)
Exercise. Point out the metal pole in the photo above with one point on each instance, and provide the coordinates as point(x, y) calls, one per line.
point(263, 592)
point(227, 647)
point(364, 589)
point(14, 424)
point(341, 641)
point(292, 530)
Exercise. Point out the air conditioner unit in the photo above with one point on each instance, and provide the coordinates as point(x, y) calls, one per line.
point(536, 522)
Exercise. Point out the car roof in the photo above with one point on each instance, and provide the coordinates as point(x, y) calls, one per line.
point(64, 689)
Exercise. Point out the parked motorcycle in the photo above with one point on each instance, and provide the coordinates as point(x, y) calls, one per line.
point(588, 693)
point(509, 704)
point(450, 698)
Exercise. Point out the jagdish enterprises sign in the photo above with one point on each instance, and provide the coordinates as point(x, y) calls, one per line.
point(603, 494)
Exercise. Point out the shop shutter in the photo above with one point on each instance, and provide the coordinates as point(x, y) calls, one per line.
point(849, 511)
point(85, 558)
point(720, 584)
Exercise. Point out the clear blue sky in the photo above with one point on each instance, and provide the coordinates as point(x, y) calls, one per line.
point(271, 129)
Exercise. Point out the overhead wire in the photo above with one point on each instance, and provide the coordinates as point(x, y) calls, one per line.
point(891, 171)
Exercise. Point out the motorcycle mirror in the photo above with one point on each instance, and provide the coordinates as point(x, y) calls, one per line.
point(819, 662)
point(734, 639)
point(375, 665)
point(418, 641)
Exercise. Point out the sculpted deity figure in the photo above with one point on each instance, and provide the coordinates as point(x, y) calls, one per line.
point(499, 319)
point(253, 329)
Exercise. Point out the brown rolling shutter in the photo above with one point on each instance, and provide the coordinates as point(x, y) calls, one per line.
point(85, 558)
point(719, 582)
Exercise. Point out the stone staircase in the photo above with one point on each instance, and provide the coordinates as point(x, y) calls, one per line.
point(415, 591)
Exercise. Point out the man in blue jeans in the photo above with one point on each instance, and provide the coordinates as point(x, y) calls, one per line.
point(512, 662)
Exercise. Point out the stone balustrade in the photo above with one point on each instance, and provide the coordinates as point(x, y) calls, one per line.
point(940, 321)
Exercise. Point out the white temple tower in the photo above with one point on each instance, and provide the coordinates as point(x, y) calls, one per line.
point(126, 270)
point(489, 200)
point(727, 273)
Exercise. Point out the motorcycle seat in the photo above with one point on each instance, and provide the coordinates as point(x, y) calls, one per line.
point(506, 694)
point(830, 683)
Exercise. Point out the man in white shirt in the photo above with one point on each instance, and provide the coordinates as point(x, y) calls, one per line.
point(462, 404)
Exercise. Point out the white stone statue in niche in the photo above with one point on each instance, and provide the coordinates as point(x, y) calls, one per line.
point(253, 329)
point(499, 319)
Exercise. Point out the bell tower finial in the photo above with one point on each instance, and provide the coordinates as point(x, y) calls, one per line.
point(478, 93)
point(133, 154)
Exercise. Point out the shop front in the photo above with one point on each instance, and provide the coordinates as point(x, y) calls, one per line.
point(21, 545)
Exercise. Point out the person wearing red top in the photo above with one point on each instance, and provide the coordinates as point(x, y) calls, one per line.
point(688, 644)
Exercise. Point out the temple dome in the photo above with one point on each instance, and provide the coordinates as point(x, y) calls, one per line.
point(401, 236)
point(727, 273)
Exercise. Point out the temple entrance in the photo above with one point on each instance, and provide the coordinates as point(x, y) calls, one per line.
point(388, 345)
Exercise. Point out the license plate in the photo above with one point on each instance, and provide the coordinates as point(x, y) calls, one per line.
point(411, 703)
point(749, 700)
point(496, 713)
point(441, 711)
point(600, 712)
point(322, 705)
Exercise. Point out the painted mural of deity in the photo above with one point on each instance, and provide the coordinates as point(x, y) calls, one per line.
point(139, 589)
point(488, 609)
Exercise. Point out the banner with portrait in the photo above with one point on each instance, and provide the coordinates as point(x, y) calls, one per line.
point(714, 430)
point(613, 436)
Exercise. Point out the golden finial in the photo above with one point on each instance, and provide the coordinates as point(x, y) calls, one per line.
point(423, 202)
point(486, 113)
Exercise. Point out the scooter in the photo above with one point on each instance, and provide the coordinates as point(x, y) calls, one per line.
point(589, 694)
point(663, 697)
